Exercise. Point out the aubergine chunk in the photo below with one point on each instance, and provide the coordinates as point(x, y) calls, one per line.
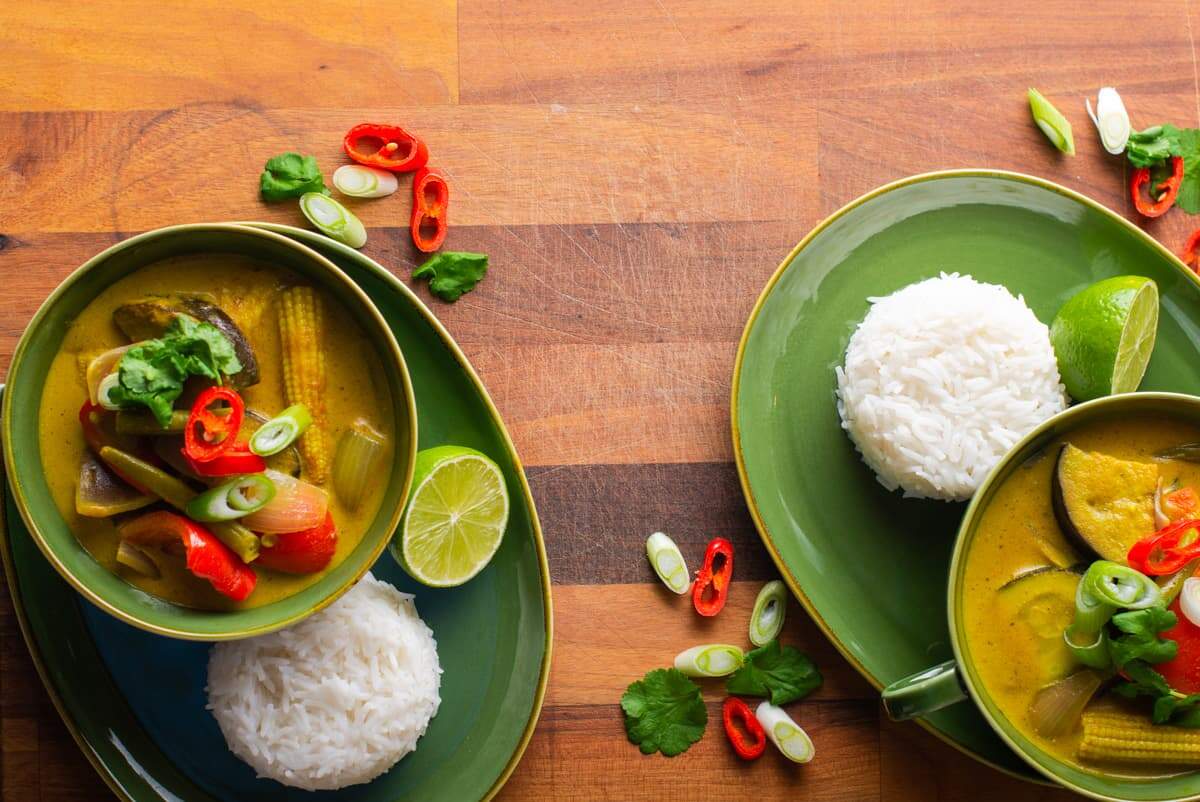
point(149, 317)
point(1041, 603)
point(1102, 503)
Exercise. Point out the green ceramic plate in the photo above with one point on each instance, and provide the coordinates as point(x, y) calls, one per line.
point(870, 566)
point(134, 701)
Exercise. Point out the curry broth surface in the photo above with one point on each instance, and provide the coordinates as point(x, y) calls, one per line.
point(1016, 533)
point(246, 290)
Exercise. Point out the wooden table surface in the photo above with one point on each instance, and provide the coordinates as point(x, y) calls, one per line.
point(636, 170)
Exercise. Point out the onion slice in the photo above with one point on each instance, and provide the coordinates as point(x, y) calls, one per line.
point(1189, 600)
point(297, 505)
point(1111, 120)
point(360, 181)
point(788, 736)
point(102, 366)
point(1056, 709)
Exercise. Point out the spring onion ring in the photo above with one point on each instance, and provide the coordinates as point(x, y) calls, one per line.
point(281, 431)
point(333, 219)
point(710, 660)
point(233, 499)
point(667, 561)
point(1111, 120)
point(788, 736)
point(766, 621)
point(1105, 588)
point(1189, 600)
point(359, 181)
point(105, 387)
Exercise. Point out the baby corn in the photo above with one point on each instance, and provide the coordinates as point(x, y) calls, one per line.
point(301, 327)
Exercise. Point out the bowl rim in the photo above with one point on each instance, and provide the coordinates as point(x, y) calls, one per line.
point(1058, 424)
point(407, 460)
point(748, 494)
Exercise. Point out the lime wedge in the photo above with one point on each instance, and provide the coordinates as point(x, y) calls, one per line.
point(455, 517)
point(1104, 335)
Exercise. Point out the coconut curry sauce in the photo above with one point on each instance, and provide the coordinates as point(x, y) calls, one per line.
point(248, 292)
point(1022, 569)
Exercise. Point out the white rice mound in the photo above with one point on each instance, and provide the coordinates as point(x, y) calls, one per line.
point(334, 700)
point(940, 379)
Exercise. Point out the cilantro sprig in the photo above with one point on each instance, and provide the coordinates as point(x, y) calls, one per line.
point(781, 674)
point(664, 712)
point(1152, 146)
point(453, 273)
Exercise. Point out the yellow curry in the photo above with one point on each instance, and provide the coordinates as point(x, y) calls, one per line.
point(1084, 501)
point(314, 369)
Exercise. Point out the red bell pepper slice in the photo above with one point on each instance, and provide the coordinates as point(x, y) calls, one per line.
point(750, 744)
point(1182, 672)
point(1167, 550)
point(1190, 248)
point(711, 588)
point(303, 552)
point(237, 460)
point(1165, 192)
point(388, 147)
point(99, 431)
point(431, 199)
point(209, 435)
point(207, 557)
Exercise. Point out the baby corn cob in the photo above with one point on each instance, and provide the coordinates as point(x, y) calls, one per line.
point(301, 327)
point(1113, 735)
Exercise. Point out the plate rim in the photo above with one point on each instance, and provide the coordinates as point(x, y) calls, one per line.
point(535, 525)
point(760, 525)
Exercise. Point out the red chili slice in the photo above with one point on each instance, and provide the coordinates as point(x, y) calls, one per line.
point(431, 199)
point(389, 147)
point(1165, 191)
point(209, 435)
point(1165, 551)
point(735, 712)
point(711, 587)
point(238, 459)
point(1190, 248)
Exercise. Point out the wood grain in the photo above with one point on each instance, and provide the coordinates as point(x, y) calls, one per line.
point(635, 171)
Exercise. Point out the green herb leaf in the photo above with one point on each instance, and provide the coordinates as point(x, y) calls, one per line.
point(452, 273)
point(152, 373)
point(664, 712)
point(1152, 146)
point(1141, 640)
point(1186, 143)
point(290, 175)
point(782, 674)
point(1170, 706)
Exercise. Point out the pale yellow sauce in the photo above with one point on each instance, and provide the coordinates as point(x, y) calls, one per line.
point(1016, 533)
point(246, 290)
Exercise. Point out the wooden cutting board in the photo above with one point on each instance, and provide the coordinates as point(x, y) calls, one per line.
point(636, 171)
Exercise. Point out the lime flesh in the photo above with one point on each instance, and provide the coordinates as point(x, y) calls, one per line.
point(455, 518)
point(1104, 335)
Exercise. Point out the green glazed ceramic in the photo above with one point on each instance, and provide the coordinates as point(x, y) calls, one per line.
point(943, 684)
point(870, 566)
point(147, 733)
point(27, 374)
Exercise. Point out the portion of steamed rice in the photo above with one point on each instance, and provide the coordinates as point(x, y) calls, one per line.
point(334, 700)
point(940, 379)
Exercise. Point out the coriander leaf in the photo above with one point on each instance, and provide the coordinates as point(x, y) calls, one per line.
point(1140, 639)
point(664, 712)
point(1170, 707)
point(1187, 145)
point(290, 175)
point(1143, 681)
point(452, 273)
point(1152, 146)
point(782, 674)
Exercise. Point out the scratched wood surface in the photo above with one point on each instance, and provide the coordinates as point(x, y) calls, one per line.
point(636, 171)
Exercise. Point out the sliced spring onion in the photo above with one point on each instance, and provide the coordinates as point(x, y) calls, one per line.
point(355, 462)
point(1189, 600)
point(785, 733)
point(233, 499)
point(105, 387)
point(1055, 126)
point(359, 181)
point(135, 559)
point(333, 219)
point(769, 610)
point(1104, 589)
point(710, 660)
point(281, 431)
point(1111, 120)
point(667, 562)
point(1056, 709)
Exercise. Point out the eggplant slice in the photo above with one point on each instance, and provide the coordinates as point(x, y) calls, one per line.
point(1042, 603)
point(149, 317)
point(1102, 503)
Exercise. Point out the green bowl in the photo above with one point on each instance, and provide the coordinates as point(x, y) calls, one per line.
point(1096, 785)
point(23, 461)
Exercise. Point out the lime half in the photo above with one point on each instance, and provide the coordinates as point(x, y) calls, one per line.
point(1103, 336)
point(455, 518)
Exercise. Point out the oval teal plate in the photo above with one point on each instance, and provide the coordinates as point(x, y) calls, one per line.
point(135, 701)
point(870, 566)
